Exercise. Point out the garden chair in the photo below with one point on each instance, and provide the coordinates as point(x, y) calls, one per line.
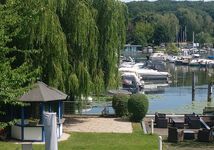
point(175, 135)
point(205, 135)
point(161, 120)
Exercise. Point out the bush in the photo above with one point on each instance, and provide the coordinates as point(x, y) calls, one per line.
point(137, 106)
point(119, 104)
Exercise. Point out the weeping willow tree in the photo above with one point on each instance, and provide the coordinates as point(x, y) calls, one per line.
point(111, 22)
point(78, 22)
point(77, 42)
point(44, 34)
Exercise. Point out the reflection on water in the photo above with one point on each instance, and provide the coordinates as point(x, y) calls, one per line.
point(177, 98)
point(182, 75)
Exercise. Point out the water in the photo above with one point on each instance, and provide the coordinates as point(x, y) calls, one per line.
point(177, 98)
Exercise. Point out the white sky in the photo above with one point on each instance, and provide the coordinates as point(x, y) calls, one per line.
point(155, 0)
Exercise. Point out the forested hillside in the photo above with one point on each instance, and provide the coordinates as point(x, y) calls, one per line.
point(167, 21)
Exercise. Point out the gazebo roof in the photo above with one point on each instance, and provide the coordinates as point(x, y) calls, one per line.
point(43, 93)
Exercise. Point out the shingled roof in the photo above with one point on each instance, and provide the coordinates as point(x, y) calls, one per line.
point(43, 93)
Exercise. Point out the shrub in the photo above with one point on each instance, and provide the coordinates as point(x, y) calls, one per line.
point(119, 104)
point(137, 106)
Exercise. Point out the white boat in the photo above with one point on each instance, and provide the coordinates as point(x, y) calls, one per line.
point(129, 77)
point(205, 62)
point(138, 65)
point(195, 55)
point(131, 82)
point(150, 74)
point(158, 56)
point(194, 62)
point(172, 58)
point(147, 74)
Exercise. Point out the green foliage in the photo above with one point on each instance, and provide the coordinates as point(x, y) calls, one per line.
point(120, 104)
point(68, 38)
point(143, 33)
point(43, 32)
point(172, 20)
point(14, 79)
point(74, 43)
point(171, 48)
point(138, 106)
point(204, 38)
point(111, 22)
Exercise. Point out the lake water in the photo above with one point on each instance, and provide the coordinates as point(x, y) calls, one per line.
point(177, 98)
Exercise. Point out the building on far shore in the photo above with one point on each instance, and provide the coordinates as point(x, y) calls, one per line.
point(131, 50)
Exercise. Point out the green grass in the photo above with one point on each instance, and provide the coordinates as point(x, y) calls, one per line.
point(188, 145)
point(101, 141)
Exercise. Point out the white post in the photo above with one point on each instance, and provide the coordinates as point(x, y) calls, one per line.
point(160, 142)
point(152, 125)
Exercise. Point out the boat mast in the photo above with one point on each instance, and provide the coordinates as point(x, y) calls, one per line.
point(193, 38)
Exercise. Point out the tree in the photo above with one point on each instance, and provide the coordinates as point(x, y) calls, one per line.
point(143, 33)
point(165, 28)
point(43, 33)
point(15, 80)
point(204, 38)
point(111, 22)
point(171, 48)
point(172, 19)
point(76, 43)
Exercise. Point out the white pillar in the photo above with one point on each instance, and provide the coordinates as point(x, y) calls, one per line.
point(152, 126)
point(160, 142)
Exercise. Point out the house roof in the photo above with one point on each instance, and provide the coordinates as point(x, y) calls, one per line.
point(43, 93)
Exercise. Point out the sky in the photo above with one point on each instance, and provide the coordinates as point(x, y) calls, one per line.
point(155, 0)
point(128, 0)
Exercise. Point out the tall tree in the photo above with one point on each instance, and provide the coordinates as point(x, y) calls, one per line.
point(78, 23)
point(143, 33)
point(43, 32)
point(14, 79)
point(111, 22)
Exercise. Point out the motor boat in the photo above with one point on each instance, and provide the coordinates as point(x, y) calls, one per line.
point(158, 56)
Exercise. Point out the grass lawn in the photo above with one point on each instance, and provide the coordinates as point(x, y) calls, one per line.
point(188, 145)
point(101, 141)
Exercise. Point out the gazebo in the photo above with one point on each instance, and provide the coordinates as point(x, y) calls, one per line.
point(40, 98)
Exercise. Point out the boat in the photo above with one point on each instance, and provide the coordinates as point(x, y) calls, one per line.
point(183, 60)
point(172, 58)
point(195, 55)
point(205, 62)
point(131, 82)
point(210, 57)
point(150, 74)
point(158, 56)
point(147, 74)
point(194, 62)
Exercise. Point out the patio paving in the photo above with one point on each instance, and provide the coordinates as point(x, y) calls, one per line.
point(97, 124)
point(186, 145)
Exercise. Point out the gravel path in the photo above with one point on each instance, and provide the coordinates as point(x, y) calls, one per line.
point(97, 124)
